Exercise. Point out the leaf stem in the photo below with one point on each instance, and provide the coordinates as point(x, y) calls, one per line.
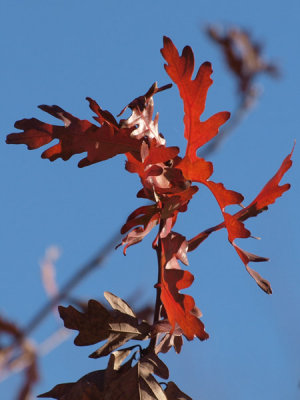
point(158, 303)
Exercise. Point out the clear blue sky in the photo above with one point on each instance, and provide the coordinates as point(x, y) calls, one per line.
point(59, 52)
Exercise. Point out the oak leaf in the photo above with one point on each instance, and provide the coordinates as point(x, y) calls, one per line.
point(193, 94)
point(270, 192)
point(78, 136)
point(75, 136)
point(89, 387)
point(234, 223)
point(179, 307)
point(120, 381)
point(98, 324)
point(137, 382)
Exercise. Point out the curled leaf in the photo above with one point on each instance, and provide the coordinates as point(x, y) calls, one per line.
point(141, 117)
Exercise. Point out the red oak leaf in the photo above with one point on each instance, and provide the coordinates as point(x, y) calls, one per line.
point(200, 171)
point(234, 226)
point(268, 195)
point(193, 94)
point(79, 136)
point(197, 133)
point(179, 307)
point(270, 192)
point(76, 136)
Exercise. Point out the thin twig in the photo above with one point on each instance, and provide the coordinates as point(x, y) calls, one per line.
point(158, 303)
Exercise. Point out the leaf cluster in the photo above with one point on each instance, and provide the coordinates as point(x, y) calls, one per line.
point(130, 370)
point(169, 182)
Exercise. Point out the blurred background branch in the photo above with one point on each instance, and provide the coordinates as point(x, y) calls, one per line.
point(245, 59)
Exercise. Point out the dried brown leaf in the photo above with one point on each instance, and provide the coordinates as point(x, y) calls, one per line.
point(97, 324)
point(138, 382)
point(89, 387)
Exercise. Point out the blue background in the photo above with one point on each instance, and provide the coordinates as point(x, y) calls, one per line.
point(59, 52)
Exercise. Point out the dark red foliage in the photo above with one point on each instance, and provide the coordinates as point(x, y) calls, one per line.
point(76, 136)
point(180, 308)
point(193, 94)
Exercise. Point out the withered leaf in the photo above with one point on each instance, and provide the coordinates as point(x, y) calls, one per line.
point(118, 382)
point(137, 382)
point(97, 324)
point(89, 387)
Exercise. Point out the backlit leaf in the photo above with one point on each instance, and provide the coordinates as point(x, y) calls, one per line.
point(193, 93)
point(179, 307)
